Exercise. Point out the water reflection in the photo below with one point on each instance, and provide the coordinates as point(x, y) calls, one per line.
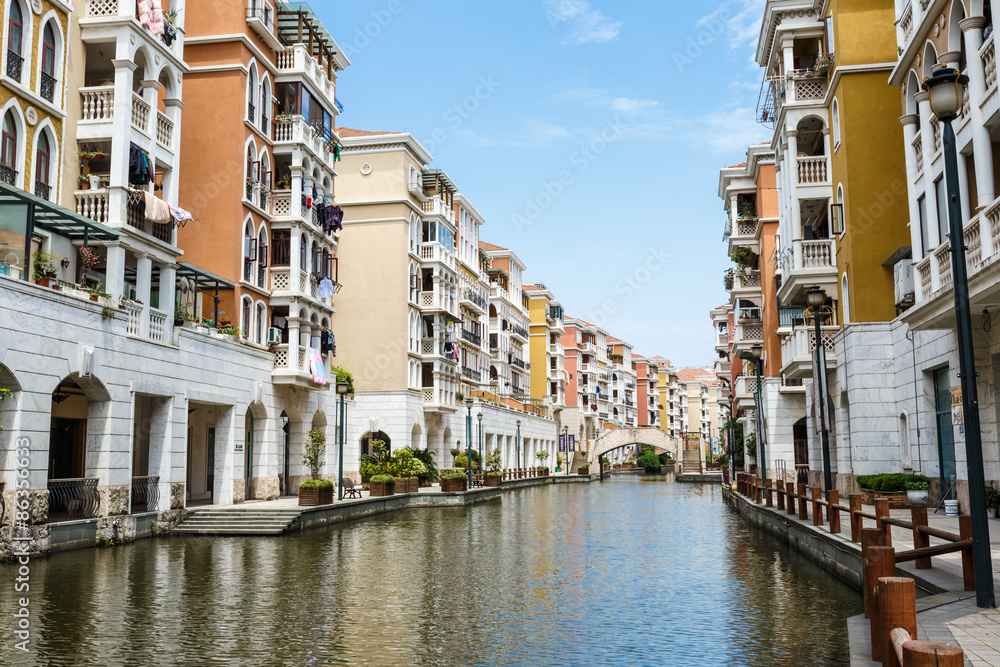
point(633, 571)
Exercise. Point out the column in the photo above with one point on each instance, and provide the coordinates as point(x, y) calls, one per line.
point(909, 123)
point(143, 281)
point(115, 279)
point(168, 287)
point(295, 172)
point(121, 131)
point(788, 60)
point(927, 134)
point(828, 151)
point(174, 106)
point(294, 341)
point(793, 178)
point(982, 145)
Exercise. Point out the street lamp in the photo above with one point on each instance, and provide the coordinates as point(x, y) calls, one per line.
point(341, 391)
point(481, 459)
point(732, 435)
point(944, 88)
point(568, 462)
point(468, 435)
point(816, 297)
point(758, 352)
point(517, 446)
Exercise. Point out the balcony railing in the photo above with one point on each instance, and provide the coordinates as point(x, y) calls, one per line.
point(98, 102)
point(140, 113)
point(472, 337)
point(164, 130)
point(744, 227)
point(787, 315)
point(8, 175)
point(72, 499)
point(475, 297)
point(42, 190)
point(515, 361)
point(437, 206)
point(813, 170)
point(47, 87)
point(746, 280)
point(906, 22)
point(145, 494)
point(14, 63)
point(988, 54)
point(435, 252)
point(251, 112)
point(474, 375)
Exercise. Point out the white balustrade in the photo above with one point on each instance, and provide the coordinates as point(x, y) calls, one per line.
point(157, 325)
point(97, 103)
point(164, 130)
point(906, 23)
point(943, 257)
point(813, 170)
point(918, 149)
point(924, 273)
point(280, 281)
point(140, 113)
point(133, 313)
point(102, 8)
point(818, 254)
point(93, 204)
point(282, 203)
point(973, 245)
point(988, 54)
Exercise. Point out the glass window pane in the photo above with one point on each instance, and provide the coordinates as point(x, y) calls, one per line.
point(13, 232)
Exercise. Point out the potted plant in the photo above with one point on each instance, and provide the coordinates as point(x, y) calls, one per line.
point(45, 267)
point(408, 469)
point(494, 474)
point(993, 498)
point(916, 491)
point(229, 333)
point(95, 291)
point(381, 485)
point(894, 486)
point(426, 458)
point(542, 456)
point(315, 491)
point(584, 469)
point(84, 182)
point(462, 462)
point(559, 462)
point(284, 182)
point(382, 482)
point(453, 480)
point(88, 258)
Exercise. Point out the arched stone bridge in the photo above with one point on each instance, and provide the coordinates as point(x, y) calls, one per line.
point(623, 437)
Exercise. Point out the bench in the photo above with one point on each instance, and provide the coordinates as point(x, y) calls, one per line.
point(350, 491)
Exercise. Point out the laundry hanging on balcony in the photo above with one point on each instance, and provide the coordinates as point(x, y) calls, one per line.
point(151, 15)
point(157, 210)
point(180, 216)
point(140, 167)
point(325, 288)
point(316, 366)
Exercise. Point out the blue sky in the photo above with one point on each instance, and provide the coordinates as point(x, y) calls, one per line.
point(590, 135)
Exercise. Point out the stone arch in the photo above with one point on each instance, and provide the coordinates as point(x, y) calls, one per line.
point(80, 417)
point(929, 59)
point(955, 41)
point(912, 88)
point(623, 437)
point(416, 433)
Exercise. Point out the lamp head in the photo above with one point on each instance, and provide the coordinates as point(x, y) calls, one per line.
point(815, 296)
point(758, 351)
point(341, 387)
point(468, 402)
point(945, 89)
point(480, 416)
point(518, 422)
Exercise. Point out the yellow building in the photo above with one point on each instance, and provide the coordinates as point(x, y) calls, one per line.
point(547, 355)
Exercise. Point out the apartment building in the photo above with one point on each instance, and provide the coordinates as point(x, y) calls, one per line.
point(622, 383)
point(547, 327)
point(588, 405)
point(669, 388)
point(647, 378)
point(400, 312)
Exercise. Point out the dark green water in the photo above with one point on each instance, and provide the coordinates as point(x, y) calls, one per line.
point(632, 571)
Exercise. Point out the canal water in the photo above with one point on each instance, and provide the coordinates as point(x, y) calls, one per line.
point(631, 571)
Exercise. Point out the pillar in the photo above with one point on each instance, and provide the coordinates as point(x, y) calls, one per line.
point(143, 282)
point(121, 131)
point(927, 135)
point(115, 280)
point(972, 29)
point(293, 339)
point(168, 287)
point(171, 189)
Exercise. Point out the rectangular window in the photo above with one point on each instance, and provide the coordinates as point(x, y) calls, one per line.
point(924, 238)
point(942, 206)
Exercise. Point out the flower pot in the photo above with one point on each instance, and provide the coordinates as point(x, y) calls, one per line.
point(583, 470)
point(413, 485)
point(402, 485)
point(44, 282)
point(84, 185)
point(494, 481)
point(453, 485)
point(917, 497)
point(93, 297)
point(314, 497)
point(377, 489)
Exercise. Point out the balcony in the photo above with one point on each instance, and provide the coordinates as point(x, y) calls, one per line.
point(473, 338)
point(438, 300)
point(15, 64)
point(295, 372)
point(722, 342)
point(439, 398)
point(437, 206)
point(293, 131)
point(790, 316)
point(798, 347)
point(811, 263)
point(73, 499)
point(518, 331)
point(260, 17)
point(98, 14)
point(97, 205)
point(746, 284)
point(47, 87)
point(813, 170)
point(145, 494)
point(744, 232)
point(296, 60)
point(284, 289)
point(516, 361)
point(723, 368)
point(476, 300)
point(472, 375)
point(439, 347)
point(745, 389)
point(435, 252)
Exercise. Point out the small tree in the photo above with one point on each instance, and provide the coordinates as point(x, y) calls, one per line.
point(314, 449)
point(493, 463)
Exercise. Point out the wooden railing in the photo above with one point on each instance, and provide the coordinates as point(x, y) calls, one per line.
point(523, 473)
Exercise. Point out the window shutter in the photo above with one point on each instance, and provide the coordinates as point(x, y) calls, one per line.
point(262, 253)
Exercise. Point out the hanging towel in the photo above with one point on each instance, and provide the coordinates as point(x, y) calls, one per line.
point(145, 8)
point(316, 366)
point(156, 18)
point(157, 210)
point(179, 214)
point(325, 288)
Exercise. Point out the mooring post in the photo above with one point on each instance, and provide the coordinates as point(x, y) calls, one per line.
point(897, 605)
point(790, 493)
point(882, 510)
point(918, 516)
point(968, 567)
point(817, 508)
point(879, 562)
point(870, 537)
point(854, 501)
point(803, 507)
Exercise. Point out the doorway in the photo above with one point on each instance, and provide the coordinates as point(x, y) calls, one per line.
point(286, 448)
point(945, 433)
point(248, 457)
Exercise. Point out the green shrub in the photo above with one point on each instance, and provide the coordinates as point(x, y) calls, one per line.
point(992, 496)
point(917, 485)
point(452, 471)
point(493, 461)
point(650, 461)
point(382, 479)
point(890, 482)
point(665, 459)
point(721, 460)
point(454, 475)
point(426, 457)
point(494, 473)
point(316, 484)
point(462, 460)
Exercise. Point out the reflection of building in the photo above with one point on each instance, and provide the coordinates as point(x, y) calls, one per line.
point(414, 290)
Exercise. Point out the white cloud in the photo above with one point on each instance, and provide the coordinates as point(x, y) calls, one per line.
point(741, 19)
point(583, 23)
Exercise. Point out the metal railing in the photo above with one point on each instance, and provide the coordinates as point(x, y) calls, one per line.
point(47, 87)
point(251, 111)
point(145, 493)
point(42, 190)
point(7, 175)
point(71, 499)
point(14, 63)
point(472, 337)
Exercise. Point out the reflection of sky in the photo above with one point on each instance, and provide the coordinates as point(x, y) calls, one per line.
point(626, 572)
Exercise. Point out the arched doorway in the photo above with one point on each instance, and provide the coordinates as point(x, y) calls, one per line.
point(248, 444)
point(79, 414)
point(370, 437)
point(286, 454)
point(800, 440)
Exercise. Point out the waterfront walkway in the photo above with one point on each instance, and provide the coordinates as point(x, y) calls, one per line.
point(948, 614)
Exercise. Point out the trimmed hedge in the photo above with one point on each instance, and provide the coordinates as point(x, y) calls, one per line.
point(890, 482)
point(316, 484)
point(382, 479)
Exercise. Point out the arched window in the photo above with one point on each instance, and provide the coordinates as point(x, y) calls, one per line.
point(265, 106)
point(8, 147)
point(262, 258)
point(47, 83)
point(836, 124)
point(249, 251)
point(42, 157)
point(246, 319)
point(259, 329)
point(252, 94)
point(15, 38)
point(846, 299)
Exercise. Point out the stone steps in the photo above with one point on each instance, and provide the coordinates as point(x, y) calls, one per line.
point(216, 521)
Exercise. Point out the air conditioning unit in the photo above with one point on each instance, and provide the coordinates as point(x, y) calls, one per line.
point(273, 336)
point(903, 280)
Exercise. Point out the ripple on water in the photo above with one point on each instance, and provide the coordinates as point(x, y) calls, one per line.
point(633, 571)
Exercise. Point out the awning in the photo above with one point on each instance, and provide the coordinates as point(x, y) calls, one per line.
point(56, 219)
point(205, 280)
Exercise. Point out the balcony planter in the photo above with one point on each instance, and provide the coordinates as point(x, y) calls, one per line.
point(896, 499)
point(313, 492)
point(381, 485)
point(918, 497)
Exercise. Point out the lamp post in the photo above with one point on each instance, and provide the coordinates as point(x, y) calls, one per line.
point(566, 450)
point(816, 297)
point(945, 91)
point(481, 459)
point(517, 446)
point(731, 436)
point(468, 435)
point(341, 391)
point(758, 352)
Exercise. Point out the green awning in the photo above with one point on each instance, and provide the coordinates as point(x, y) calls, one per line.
point(56, 219)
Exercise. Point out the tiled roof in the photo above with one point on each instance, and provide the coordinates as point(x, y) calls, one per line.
point(612, 339)
point(693, 374)
point(348, 132)
point(489, 247)
point(737, 166)
point(530, 288)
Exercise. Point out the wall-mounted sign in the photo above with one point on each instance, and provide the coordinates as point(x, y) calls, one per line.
point(957, 413)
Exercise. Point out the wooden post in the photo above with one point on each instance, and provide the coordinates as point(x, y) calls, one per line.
point(803, 509)
point(932, 654)
point(854, 500)
point(879, 562)
point(790, 492)
point(870, 537)
point(781, 496)
point(817, 508)
point(897, 605)
point(768, 487)
point(918, 516)
point(968, 567)
point(881, 510)
point(833, 498)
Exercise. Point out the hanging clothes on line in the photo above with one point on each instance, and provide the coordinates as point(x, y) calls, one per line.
point(325, 288)
point(179, 215)
point(157, 210)
point(140, 167)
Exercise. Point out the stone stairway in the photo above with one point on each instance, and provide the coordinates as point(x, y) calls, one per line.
point(692, 462)
point(579, 459)
point(238, 521)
